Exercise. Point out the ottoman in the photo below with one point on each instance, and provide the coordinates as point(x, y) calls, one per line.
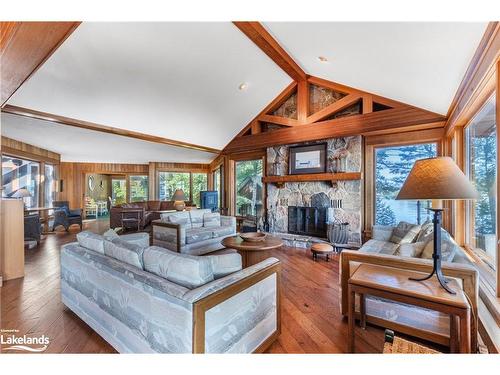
point(321, 248)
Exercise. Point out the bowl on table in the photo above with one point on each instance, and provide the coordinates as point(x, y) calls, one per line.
point(253, 236)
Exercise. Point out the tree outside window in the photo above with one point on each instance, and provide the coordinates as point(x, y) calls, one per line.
point(169, 182)
point(392, 166)
point(139, 188)
point(249, 187)
point(199, 184)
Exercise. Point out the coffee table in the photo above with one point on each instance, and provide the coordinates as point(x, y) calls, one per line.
point(252, 252)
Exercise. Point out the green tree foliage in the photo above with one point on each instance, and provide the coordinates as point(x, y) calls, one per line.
point(199, 184)
point(138, 188)
point(248, 185)
point(171, 181)
point(119, 191)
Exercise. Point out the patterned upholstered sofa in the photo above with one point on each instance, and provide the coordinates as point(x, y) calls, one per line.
point(149, 299)
point(193, 232)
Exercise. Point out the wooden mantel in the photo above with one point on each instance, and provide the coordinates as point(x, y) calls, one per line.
point(279, 181)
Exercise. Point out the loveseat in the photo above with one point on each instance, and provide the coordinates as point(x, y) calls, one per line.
point(193, 232)
point(149, 299)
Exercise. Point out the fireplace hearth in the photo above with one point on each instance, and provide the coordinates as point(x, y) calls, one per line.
point(308, 221)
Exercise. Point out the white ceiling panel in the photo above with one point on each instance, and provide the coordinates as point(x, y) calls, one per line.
point(174, 80)
point(81, 145)
point(417, 63)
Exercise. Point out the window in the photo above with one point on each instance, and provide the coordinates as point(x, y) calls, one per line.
point(199, 184)
point(119, 190)
point(169, 182)
point(392, 166)
point(20, 174)
point(249, 187)
point(218, 184)
point(139, 188)
point(48, 182)
point(481, 168)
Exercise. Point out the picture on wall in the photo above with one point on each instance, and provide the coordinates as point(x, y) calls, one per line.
point(308, 159)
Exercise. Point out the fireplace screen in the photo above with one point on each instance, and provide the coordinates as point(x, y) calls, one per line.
point(309, 221)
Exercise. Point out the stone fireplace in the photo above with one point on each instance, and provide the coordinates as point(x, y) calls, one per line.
point(308, 206)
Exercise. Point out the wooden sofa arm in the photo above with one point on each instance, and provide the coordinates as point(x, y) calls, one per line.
point(467, 274)
point(177, 227)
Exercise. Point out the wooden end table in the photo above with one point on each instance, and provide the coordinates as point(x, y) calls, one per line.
point(393, 284)
point(252, 252)
point(135, 220)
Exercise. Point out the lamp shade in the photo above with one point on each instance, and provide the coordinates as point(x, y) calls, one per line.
point(179, 195)
point(21, 193)
point(437, 179)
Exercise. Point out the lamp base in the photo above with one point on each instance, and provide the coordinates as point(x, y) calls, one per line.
point(436, 255)
point(179, 205)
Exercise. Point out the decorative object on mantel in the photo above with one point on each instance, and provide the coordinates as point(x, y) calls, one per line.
point(338, 162)
point(338, 233)
point(253, 236)
point(179, 199)
point(437, 179)
point(308, 159)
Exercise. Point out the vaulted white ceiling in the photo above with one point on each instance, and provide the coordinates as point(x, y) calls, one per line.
point(177, 80)
point(81, 145)
point(180, 80)
point(419, 63)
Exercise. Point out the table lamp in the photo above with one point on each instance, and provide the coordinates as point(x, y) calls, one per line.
point(21, 194)
point(179, 199)
point(437, 179)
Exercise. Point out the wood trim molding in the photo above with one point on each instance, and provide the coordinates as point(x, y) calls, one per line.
point(20, 149)
point(265, 41)
point(390, 119)
point(27, 46)
point(339, 105)
point(278, 120)
point(20, 111)
point(478, 82)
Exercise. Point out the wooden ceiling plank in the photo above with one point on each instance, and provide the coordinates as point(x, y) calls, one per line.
point(20, 111)
point(390, 119)
point(302, 101)
point(27, 47)
point(265, 41)
point(337, 106)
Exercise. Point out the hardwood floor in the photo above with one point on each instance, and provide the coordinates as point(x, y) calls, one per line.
point(311, 321)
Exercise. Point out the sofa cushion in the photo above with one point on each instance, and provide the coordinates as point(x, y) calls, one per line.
point(91, 241)
point(196, 217)
point(379, 247)
point(211, 219)
point(153, 206)
point(426, 232)
point(382, 232)
point(221, 231)
point(124, 251)
point(181, 218)
point(404, 233)
point(449, 248)
point(186, 270)
point(110, 234)
point(225, 264)
point(413, 249)
point(194, 235)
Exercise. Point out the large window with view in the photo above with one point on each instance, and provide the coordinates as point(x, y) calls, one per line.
point(200, 181)
point(119, 190)
point(481, 165)
point(139, 188)
point(249, 188)
point(20, 174)
point(49, 180)
point(392, 166)
point(169, 182)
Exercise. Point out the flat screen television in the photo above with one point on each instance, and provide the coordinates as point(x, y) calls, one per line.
point(209, 199)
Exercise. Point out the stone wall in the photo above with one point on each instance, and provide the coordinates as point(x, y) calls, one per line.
point(317, 194)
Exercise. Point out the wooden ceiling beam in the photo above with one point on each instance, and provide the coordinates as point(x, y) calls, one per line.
point(25, 46)
point(20, 111)
point(337, 106)
point(265, 41)
point(390, 119)
point(478, 83)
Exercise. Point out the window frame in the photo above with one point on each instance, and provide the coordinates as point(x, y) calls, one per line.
point(190, 172)
point(40, 177)
point(235, 193)
point(129, 185)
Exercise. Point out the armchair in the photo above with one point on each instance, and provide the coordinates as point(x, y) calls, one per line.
point(66, 217)
point(32, 230)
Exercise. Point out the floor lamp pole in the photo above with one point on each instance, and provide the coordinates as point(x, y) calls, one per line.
point(436, 255)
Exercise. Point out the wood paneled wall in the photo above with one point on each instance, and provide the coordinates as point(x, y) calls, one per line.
point(23, 150)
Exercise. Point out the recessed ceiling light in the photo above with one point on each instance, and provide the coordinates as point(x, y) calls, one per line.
point(322, 59)
point(243, 86)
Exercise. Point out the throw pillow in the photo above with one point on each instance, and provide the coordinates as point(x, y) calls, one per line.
point(404, 233)
point(413, 250)
point(426, 233)
point(125, 251)
point(110, 234)
point(91, 241)
point(225, 264)
point(449, 248)
point(211, 219)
